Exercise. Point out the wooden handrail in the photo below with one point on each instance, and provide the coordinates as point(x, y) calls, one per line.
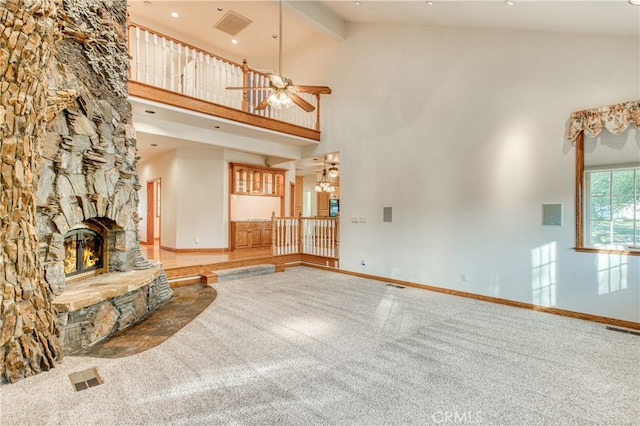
point(317, 236)
point(175, 40)
point(164, 62)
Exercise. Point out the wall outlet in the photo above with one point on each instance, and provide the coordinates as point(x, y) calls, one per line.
point(464, 277)
point(363, 262)
point(196, 240)
point(363, 219)
point(354, 219)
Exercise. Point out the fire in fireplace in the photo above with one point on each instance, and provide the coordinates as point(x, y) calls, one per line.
point(83, 252)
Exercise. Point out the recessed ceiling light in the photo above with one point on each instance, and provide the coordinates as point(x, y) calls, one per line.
point(275, 36)
point(509, 2)
point(175, 15)
point(216, 127)
point(154, 144)
point(147, 3)
point(149, 111)
point(219, 9)
point(634, 2)
point(430, 3)
point(357, 3)
point(234, 41)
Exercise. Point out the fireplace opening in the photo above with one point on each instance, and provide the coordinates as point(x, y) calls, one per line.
point(83, 252)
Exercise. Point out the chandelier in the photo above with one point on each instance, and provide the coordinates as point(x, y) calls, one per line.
point(325, 184)
point(333, 171)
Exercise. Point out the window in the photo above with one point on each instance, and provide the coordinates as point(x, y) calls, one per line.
point(612, 208)
point(607, 142)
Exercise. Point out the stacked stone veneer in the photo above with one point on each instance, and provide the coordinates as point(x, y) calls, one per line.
point(88, 177)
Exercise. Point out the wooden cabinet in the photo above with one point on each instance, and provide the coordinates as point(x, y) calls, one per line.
point(255, 180)
point(324, 197)
point(323, 204)
point(247, 235)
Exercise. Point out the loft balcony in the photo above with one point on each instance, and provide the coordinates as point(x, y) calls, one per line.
point(172, 73)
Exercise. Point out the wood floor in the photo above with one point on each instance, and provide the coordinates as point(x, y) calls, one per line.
point(171, 259)
point(191, 267)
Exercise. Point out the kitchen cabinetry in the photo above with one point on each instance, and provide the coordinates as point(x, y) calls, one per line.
point(251, 234)
point(255, 180)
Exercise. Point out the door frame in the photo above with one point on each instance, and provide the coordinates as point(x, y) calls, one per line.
point(153, 210)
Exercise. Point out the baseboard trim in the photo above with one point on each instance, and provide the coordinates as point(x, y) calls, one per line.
point(196, 250)
point(555, 311)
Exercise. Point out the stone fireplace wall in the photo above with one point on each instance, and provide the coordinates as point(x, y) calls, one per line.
point(88, 176)
point(88, 167)
point(63, 63)
point(87, 173)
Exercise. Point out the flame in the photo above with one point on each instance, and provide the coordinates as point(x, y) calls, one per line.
point(90, 258)
point(70, 258)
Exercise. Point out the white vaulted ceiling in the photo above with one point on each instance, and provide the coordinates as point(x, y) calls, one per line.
point(307, 21)
point(303, 20)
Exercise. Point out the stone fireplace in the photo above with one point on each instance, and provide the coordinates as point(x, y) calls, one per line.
point(84, 252)
point(87, 196)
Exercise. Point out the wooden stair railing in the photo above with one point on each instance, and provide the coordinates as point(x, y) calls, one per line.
point(315, 236)
point(163, 62)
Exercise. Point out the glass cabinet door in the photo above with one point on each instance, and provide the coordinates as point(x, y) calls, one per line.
point(267, 183)
point(241, 180)
point(279, 190)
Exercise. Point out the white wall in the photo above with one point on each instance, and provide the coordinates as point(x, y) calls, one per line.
point(164, 168)
point(462, 133)
point(202, 199)
point(194, 198)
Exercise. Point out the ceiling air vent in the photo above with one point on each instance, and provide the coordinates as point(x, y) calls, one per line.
point(232, 23)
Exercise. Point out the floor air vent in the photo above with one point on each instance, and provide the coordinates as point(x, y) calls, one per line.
point(232, 23)
point(394, 285)
point(623, 330)
point(82, 380)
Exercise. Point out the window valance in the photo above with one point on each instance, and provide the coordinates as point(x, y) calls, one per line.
point(615, 118)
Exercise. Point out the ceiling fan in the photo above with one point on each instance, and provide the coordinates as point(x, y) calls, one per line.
point(283, 91)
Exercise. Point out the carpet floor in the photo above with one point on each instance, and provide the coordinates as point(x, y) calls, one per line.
point(312, 347)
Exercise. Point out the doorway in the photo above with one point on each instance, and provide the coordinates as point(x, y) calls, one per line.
point(153, 211)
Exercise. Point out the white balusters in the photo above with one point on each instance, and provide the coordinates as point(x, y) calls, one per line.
point(172, 79)
point(201, 83)
point(146, 56)
point(169, 64)
point(193, 73)
point(137, 54)
point(163, 79)
point(154, 71)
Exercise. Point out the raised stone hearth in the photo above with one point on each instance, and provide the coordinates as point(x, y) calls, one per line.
point(94, 308)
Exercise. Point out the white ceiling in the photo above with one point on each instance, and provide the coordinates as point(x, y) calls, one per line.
point(304, 21)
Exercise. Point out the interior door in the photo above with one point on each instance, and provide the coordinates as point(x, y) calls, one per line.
point(151, 211)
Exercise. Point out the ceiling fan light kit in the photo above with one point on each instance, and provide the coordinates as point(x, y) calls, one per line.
point(333, 171)
point(283, 92)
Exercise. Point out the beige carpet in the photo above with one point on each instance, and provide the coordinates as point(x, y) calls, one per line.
point(309, 347)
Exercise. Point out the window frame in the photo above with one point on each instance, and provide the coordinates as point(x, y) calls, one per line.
point(580, 205)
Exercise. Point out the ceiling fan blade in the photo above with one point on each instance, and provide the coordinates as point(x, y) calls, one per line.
point(301, 102)
point(262, 105)
point(316, 90)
